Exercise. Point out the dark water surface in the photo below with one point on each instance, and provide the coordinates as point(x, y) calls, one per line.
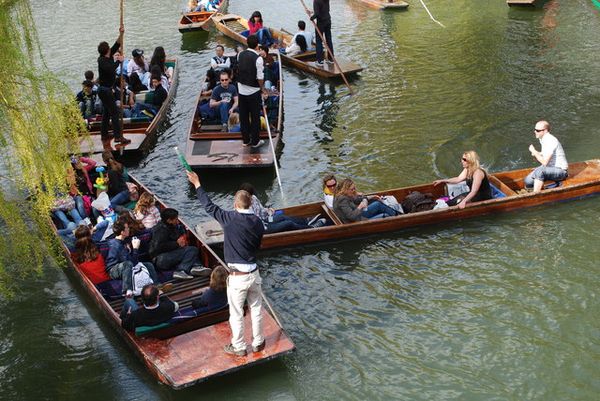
point(499, 308)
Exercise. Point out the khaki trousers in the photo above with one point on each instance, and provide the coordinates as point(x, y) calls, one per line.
point(242, 288)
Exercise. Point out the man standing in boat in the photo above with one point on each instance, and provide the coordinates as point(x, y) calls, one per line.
point(107, 67)
point(250, 90)
point(554, 165)
point(243, 235)
point(321, 14)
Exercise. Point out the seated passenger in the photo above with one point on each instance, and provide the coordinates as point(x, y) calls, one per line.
point(329, 186)
point(297, 46)
point(138, 64)
point(233, 124)
point(63, 206)
point(159, 97)
point(350, 205)
point(223, 101)
point(117, 186)
point(552, 159)
point(137, 229)
point(215, 296)
point(169, 249)
point(476, 179)
point(275, 223)
point(87, 99)
point(159, 59)
point(146, 210)
point(212, 6)
point(308, 36)
point(219, 62)
point(255, 27)
point(271, 69)
point(122, 257)
point(157, 308)
point(87, 256)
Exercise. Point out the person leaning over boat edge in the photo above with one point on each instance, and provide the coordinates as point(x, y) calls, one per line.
point(476, 179)
point(554, 165)
point(243, 232)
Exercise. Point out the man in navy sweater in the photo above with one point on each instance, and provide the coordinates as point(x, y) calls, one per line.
point(243, 234)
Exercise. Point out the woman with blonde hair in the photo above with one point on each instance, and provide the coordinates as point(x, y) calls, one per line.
point(215, 296)
point(476, 179)
point(146, 210)
point(351, 206)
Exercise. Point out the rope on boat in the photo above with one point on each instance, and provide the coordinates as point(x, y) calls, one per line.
point(431, 16)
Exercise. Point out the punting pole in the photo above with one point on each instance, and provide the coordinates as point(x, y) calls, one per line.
point(273, 149)
point(431, 16)
point(122, 83)
point(262, 294)
point(327, 46)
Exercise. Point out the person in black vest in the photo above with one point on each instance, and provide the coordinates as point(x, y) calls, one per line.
point(250, 88)
point(107, 66)
point(321, 14)
point(243, 235)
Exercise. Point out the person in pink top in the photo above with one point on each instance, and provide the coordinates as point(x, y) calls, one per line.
point(146, 210)
point(255, 27)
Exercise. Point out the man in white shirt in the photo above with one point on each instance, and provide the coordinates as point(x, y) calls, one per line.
point(554, 165)
point(309, 36)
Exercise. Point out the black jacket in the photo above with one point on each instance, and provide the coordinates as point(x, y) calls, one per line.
point(321, 13)
point(164, 238)
point(107, 68)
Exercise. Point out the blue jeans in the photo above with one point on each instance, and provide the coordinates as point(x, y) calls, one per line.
point(64, 220)
point(181, 259)
point(263, 35)
point(79, 206)
point(130, 305)
point(377, 209)
point(544, 173)
point(211, 112)
point(282, 223)
point(120, 199)
point(326, 31)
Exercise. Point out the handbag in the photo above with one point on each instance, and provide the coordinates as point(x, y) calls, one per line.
point(391, 201)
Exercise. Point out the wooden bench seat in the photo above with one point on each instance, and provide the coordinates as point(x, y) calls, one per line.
point(331, 214)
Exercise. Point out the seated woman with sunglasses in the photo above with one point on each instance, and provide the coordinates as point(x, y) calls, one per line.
point(350, 206)
point(329, 184)
point(476, 179)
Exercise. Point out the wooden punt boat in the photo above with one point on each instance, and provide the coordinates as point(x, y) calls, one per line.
point(584, 180)
point(199, 20)
point(232, 25)
point(191, 350)
point(385, 4)
point(141, 131)
point(208, 147)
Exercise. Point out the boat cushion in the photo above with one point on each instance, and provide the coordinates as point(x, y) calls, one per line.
point(496, 193)
point(182, 315)
point(144, 97)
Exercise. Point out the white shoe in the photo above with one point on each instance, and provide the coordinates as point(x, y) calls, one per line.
point(259, 144)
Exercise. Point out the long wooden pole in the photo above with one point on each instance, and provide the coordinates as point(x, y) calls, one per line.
point(122, 83)
point(327, 46)
point(273, 150)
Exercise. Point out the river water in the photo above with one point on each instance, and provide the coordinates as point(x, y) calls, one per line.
point(498, 308)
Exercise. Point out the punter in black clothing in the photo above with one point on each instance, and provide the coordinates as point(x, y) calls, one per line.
point(157, 308)
point(107, 68)
point(321, 14)
point(250, 88)
point(243, 234)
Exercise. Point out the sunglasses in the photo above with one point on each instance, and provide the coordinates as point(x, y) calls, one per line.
point(463, 159)
point(331, 185)
point(225, 80)
point(539, 130)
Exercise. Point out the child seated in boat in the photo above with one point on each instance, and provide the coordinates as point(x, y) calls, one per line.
point(233, 123)
point(87, 99)
point(255, 27)
point(309, 37)
point(159, 97)
point(351, 206)
point(146, 211)
point(156, 308)
point(215, 296)
point(297, 46)
point(87, 257)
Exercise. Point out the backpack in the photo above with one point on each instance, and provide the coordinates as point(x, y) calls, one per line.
point(417, 202)
point(139, 278)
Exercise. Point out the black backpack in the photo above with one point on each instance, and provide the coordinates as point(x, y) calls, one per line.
point(417, 202)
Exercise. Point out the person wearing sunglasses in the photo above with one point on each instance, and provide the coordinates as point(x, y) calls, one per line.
point(223, 101)
point(476, 179)
point(552, 159)
point(329, 184)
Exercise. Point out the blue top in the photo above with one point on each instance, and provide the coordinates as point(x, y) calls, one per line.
point(118, 252)
point(243, 231)
point(219, 93)
point(210, 300)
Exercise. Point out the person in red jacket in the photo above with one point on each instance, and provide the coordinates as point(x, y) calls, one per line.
point(87, 256)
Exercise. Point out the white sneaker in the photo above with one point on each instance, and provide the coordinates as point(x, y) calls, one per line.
point(259, 144)
point(319, 63)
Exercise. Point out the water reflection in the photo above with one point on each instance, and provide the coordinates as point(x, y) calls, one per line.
point(326, 114)
point(194, 42)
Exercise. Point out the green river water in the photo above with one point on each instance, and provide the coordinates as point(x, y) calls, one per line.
point(502, 307)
